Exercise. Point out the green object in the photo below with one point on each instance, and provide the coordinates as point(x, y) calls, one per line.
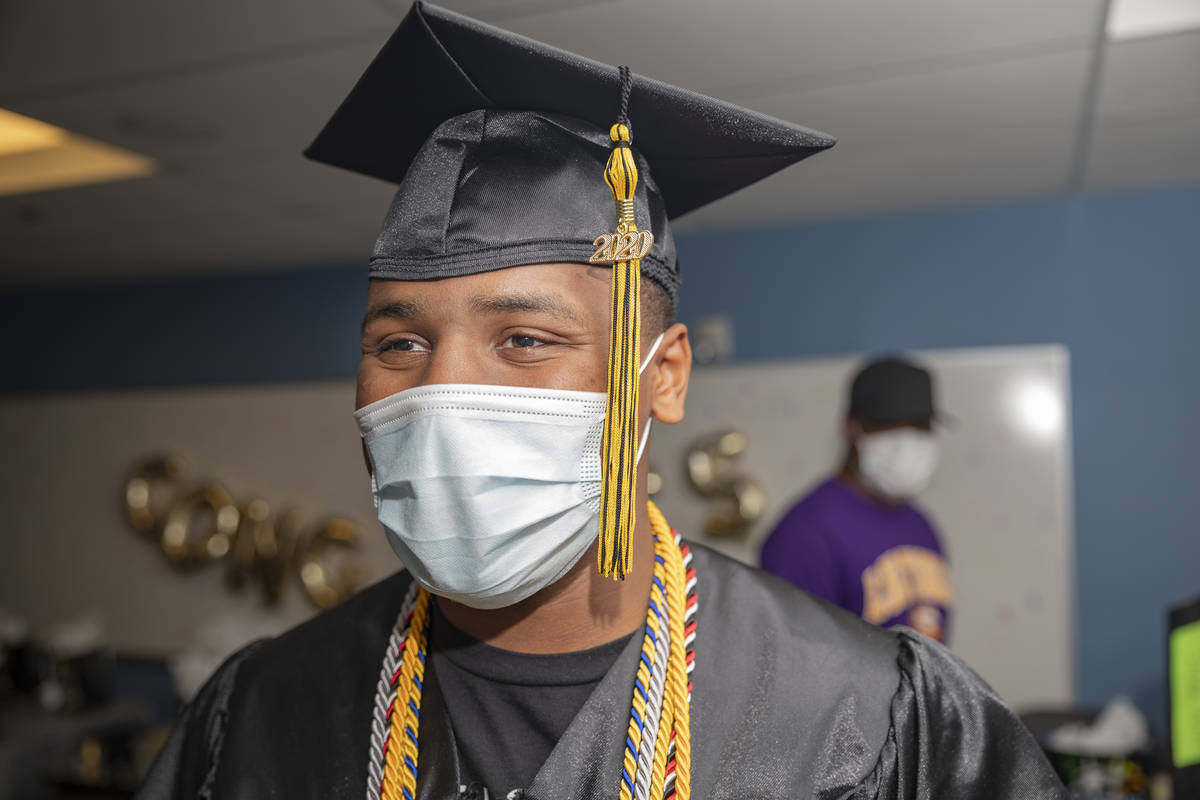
point(1185, 695)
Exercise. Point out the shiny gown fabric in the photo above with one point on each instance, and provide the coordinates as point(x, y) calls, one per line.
point(793, 698)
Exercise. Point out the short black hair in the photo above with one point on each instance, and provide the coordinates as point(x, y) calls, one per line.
point(658, 308)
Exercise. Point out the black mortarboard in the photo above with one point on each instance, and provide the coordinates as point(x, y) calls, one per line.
point(506, 155)
point(464, 208)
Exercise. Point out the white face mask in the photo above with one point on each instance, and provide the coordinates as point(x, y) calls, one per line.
point(488, 493)
point(898, 463)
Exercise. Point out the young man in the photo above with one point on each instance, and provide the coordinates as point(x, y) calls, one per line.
point(507, 384)
point(857, 540)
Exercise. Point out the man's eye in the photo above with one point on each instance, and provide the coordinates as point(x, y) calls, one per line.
point(521, 341)
point(400, 345)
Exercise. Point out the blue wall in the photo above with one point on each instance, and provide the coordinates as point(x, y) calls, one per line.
point(1114, 277)
point(299, 325)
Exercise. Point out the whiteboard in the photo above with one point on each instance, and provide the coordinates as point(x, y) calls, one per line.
point(1001, 499)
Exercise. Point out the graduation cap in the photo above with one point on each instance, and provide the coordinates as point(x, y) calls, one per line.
point(506, 154)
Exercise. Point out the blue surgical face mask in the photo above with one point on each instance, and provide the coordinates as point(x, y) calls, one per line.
point(487, 493)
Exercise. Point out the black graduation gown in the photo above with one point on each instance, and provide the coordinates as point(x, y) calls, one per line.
point(793, 698)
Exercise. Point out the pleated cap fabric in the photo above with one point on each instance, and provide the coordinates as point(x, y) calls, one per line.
point(493, 189)
point(499, 142)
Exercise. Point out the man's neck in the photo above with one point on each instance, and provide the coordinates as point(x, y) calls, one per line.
point(580, 611)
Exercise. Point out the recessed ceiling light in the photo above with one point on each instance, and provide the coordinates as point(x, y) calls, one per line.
point(1134, 19)
point(19, 134)
point(36, 156)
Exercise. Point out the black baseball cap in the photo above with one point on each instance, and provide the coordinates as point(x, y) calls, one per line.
point(892, 390)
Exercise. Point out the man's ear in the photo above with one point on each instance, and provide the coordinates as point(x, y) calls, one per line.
point(669, 372)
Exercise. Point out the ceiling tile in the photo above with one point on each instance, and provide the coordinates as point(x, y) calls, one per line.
point(167, 225)
point(1163, 149)
point(1148, 76)
point(218, 242)
point(91, 210)
point(1011, 97)
point(732, 47)
point(860, 178)
point(301, 189)
point(52, 48)
point(275, 107)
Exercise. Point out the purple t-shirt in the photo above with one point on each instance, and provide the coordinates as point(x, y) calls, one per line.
point(883, 563)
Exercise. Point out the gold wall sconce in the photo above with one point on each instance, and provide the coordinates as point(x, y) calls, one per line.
point(714, 470)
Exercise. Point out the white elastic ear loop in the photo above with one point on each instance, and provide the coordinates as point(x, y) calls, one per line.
point(641, 369)
point(650, 355)
point(645, 439)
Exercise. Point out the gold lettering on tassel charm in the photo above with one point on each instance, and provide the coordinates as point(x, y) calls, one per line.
point(621, 246)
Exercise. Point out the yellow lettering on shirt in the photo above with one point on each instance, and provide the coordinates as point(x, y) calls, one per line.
point(903, 577)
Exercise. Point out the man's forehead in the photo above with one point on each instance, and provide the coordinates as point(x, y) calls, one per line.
point(556, 272)
point(561, 277)
point(573, 291)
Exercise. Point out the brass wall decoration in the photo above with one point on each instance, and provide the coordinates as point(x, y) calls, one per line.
point(139, 506)
point(329, 573)
point(714, 472)
point(187, 542)
point(199, 522)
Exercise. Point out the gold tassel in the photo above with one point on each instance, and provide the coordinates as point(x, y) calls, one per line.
point(619, 446)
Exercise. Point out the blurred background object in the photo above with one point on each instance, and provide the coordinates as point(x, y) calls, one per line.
point(736, 500)
point(1014, 182)
point(712, 339)
point(1183, 692)
point(1105, 755)
point(859, 538)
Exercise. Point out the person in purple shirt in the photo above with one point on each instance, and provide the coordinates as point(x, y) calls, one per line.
point(856, 540)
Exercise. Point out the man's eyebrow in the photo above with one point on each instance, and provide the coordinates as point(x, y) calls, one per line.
point(396, 309)
point(525, 301)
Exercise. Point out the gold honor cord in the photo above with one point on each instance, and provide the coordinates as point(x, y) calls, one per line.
point(400, 754)
point(659, 715)
point(618, 449)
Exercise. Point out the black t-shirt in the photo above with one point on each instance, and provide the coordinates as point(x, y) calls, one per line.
point(508, 709)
